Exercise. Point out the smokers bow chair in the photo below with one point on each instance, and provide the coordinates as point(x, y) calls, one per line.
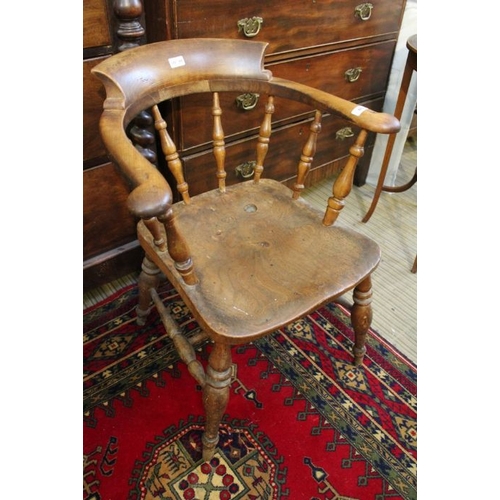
point(248, 257)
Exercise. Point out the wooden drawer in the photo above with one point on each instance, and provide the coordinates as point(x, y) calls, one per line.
point(287, 25)
point(325, 71)
point(328, 71)
point(282, 159)
point(93, 98)
point(107, 222)
point(95, 24)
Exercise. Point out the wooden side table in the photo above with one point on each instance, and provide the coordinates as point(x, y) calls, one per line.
point(410, 67)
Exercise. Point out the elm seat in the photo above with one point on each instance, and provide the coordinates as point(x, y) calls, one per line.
point(256, 247)
point(246, 258)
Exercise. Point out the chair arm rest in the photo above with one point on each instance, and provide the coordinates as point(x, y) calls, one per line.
point(365, 118)
point(151, 194)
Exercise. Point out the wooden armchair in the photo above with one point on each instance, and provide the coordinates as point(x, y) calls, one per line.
point(250, 257)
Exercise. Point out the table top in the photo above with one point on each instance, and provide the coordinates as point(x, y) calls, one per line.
point(411, 43)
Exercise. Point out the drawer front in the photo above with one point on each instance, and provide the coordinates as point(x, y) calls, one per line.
point(282, 159)
point(326, 72)
point(352, 74)
point(95, 24)
point(287, 25)
point(93, 98)
point(107, 222)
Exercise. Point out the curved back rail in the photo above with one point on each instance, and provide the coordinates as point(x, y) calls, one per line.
point(141, 78)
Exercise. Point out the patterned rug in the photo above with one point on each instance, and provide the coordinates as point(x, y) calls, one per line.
point(302, 422)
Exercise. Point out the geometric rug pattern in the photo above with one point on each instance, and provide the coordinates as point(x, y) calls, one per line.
point(302, 421)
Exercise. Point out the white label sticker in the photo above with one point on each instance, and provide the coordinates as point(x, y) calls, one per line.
point(176, 62)
point(358, 110)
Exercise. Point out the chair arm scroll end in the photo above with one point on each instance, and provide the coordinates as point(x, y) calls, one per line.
point(381, 123)
point(150, 200)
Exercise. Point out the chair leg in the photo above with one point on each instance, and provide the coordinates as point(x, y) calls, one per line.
point(149, 278)
point(361, 318)
point(215, 395)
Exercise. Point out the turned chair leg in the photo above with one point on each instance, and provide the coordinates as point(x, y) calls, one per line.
point(215, 395)
point(361, 318)
point(149, 278)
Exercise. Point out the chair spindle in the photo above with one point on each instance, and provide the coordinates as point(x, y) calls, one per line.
point(178, 249)
point(263, 140)
point(307, 155)
point(219, 146)
point(154, 227)
point(182, 345)
point(171, 155)
point(343, 184)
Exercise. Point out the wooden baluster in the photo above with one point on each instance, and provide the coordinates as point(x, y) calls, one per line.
point(128, 34)
point(129, 30)
point(263, 141)
point(178, 249)
point(143, 136)
point(343, 184)
point(218, 143)
point(155, 229)
point(171, 155)
point(307, 156)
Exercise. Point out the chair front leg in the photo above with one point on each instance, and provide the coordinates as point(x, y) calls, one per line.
point(215, 395)
point(361, 317)
point(149, 278)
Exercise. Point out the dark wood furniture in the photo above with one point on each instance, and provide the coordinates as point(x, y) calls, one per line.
point(247, 256)
point(110, 247)
point(343, 47)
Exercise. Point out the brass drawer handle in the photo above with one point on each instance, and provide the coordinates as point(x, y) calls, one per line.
point(250, 25)
point(364, 11)
point(353, 74)
point(344, 133)
point(247, 101)
point(246, 170)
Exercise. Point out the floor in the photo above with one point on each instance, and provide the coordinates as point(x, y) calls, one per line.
point(394, 226)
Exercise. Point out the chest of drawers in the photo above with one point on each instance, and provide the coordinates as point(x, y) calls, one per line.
point(110, 247)
point(341, 46)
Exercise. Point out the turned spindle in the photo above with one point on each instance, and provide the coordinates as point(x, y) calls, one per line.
point(263, 139)
point(307, 155)
point(343, 184)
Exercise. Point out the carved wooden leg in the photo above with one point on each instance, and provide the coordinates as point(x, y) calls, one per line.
point(149, 278)
point(361, 317)
point(215, 395)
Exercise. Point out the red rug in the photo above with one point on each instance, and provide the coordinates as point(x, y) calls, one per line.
point(302, 422)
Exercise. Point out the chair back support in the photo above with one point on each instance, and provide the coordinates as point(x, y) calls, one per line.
point(142, 78)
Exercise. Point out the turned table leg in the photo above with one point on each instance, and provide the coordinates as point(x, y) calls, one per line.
point(215, 395)
point(361, 318)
